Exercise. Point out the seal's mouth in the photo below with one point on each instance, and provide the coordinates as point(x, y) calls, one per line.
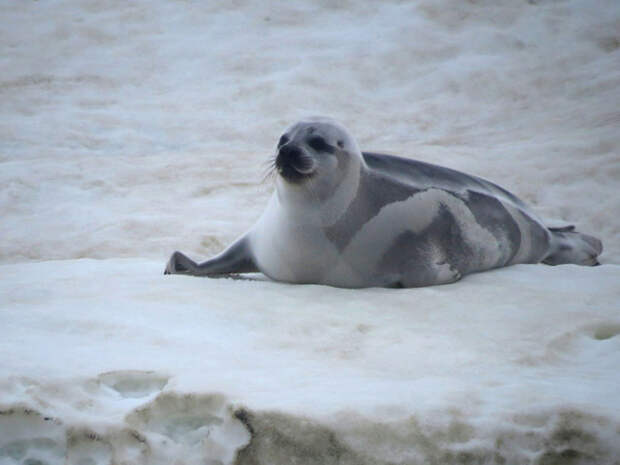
point(293, 164)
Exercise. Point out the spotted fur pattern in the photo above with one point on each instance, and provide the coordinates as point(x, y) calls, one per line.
point(351, 219)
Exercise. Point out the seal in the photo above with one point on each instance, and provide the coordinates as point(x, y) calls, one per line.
point(345, 218)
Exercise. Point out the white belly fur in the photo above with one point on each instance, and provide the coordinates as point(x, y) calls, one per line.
point(293, 248)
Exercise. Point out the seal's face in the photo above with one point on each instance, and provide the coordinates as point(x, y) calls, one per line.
point(316, 152)
point(295, 162)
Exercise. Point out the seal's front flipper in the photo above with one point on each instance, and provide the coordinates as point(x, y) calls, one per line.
point(235, 259)
point(180, 264)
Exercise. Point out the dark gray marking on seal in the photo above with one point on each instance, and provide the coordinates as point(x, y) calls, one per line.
point(320, 145)
point(493, 216)
point(427, 174)
point(539, 240)
point(410, 250)
point(366, 205)
point(569, 228)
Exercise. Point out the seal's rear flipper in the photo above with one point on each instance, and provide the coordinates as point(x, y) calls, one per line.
point(570, 246)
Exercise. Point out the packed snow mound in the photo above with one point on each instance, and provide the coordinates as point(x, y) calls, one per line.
point(198, 428)
point(107, 360)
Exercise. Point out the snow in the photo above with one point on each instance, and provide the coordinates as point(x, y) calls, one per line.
point(132, 129)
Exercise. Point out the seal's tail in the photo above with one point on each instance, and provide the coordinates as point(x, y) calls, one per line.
point(570, 246)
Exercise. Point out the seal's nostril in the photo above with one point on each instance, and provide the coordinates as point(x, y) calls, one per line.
point(287, 155)
point(293, 164)
point(283, 140)
point(289, 151)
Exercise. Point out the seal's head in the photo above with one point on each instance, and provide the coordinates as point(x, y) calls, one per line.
point(316, 152)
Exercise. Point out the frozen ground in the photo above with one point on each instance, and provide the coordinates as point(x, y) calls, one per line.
point(131, 129)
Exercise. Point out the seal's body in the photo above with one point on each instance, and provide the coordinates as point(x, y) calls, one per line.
point(350, 219)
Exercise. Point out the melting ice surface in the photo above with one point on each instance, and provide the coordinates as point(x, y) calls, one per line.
point(131, 129)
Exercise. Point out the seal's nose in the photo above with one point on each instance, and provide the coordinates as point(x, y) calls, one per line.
point(287, 155)
point(292, 163)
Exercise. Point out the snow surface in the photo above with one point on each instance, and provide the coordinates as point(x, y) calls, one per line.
point(131, 129)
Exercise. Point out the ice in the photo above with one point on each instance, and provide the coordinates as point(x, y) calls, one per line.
point(132, 129)
point(519, 363)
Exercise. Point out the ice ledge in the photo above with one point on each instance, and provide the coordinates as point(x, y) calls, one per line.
point(109, 361)
point(173, 428)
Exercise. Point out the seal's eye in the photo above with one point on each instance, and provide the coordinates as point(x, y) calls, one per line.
point(283, 140)
point(319, 144)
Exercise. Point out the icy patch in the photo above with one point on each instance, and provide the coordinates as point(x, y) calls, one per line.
point(28, 437)
point(198, 425)
point(88, 430)
point(604, 331)
point(133, 383)
point(174, 428)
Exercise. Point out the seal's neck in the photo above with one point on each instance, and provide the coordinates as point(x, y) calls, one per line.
point(338, 203)
point(317, 202)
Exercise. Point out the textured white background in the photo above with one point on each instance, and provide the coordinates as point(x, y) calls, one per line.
point(131, 129)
